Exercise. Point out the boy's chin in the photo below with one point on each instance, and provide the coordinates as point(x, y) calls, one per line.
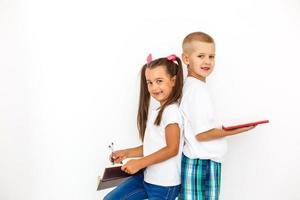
point(204, 75)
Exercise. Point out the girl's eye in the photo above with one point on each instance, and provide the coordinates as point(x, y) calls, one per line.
point(211, 57)
point(158, 81)
point(149, 83)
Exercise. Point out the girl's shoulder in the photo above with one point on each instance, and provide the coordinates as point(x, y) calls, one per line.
point(173, 106)
point(172, 114)
point(171, 109)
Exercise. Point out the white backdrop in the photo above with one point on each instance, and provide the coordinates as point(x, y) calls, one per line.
point(69, 75)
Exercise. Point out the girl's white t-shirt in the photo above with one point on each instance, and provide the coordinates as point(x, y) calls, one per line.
point(165, 173)
point(199, 116)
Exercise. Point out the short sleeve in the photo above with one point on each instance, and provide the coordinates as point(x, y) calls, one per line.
point(199, 110)
point(171, 115)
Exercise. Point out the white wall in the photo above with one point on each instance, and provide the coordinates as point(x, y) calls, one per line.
point(69, 86)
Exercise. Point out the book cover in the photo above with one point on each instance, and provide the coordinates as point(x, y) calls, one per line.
point(112, 177)
point(231, 127)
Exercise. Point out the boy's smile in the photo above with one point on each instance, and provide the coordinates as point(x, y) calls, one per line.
point(200, 59)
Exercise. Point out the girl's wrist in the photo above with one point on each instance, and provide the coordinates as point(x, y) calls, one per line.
point(142, 163)
point(127, 153)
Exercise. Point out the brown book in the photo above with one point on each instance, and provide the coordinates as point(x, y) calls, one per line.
point(112, 177)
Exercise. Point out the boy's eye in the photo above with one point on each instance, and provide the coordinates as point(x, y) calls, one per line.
point(211, 57)
point(201, 56)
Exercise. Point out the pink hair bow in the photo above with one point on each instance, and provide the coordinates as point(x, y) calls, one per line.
point(172, 57)
point(149, 59)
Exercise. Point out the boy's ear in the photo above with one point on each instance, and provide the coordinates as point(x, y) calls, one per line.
point(185, 58)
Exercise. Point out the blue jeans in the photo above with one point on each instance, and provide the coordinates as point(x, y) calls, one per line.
point(135, 188)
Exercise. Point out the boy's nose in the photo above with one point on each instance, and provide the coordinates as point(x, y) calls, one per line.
point(207, 60)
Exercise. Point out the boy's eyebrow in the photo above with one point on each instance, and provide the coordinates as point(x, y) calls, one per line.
point(207, 53)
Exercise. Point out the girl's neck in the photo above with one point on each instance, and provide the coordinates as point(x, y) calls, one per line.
point(162, 103)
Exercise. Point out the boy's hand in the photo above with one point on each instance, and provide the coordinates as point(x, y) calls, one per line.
point(244, 129)
point(132, 166)
point(119, 156)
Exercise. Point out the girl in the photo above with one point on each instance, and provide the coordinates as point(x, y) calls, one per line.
point(161, 135)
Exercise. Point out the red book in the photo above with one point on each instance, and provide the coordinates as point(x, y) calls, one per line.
point(227, 128)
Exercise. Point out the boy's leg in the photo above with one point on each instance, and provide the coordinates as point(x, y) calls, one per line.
point(211, 179)
point(130, 189)
point(200, 179)
point(187, 179)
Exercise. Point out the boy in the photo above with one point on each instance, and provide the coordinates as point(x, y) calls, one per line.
point(205, 144)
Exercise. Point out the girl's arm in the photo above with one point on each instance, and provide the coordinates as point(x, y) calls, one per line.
point(220, 133)
point(120, 155)
point(172, 135)
point(135, 152)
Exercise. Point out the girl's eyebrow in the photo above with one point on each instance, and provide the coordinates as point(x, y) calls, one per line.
point(154, 79)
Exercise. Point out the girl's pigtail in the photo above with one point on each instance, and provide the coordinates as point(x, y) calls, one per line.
point(144, 102)
point(179, 81)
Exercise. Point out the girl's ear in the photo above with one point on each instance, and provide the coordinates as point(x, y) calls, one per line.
point(185, 58)
point(173, 80)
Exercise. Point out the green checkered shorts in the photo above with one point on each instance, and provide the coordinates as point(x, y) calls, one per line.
point(200, 179)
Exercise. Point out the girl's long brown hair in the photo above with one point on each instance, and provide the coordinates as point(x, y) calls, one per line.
point(173, 69)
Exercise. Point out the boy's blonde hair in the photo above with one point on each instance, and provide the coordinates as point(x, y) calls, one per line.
point(195, 36)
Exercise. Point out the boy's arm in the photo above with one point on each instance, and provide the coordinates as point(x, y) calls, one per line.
point(217, 133)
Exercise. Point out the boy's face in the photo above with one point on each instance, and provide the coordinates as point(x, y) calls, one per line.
point(200, 58)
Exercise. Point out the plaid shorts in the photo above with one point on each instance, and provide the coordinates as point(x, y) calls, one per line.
point(200, 179)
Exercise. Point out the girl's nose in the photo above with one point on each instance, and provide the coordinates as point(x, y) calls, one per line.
point(154, 87)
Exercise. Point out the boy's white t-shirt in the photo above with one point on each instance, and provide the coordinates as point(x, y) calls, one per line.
point(199, 117)
point(165, 173)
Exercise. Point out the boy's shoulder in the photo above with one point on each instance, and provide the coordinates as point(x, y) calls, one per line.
point(192, 85)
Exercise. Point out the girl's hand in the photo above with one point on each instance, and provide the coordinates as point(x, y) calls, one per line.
point(119, 156)
point(132, 166)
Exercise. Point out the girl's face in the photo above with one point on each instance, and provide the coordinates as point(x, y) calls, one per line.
point(160, 83)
